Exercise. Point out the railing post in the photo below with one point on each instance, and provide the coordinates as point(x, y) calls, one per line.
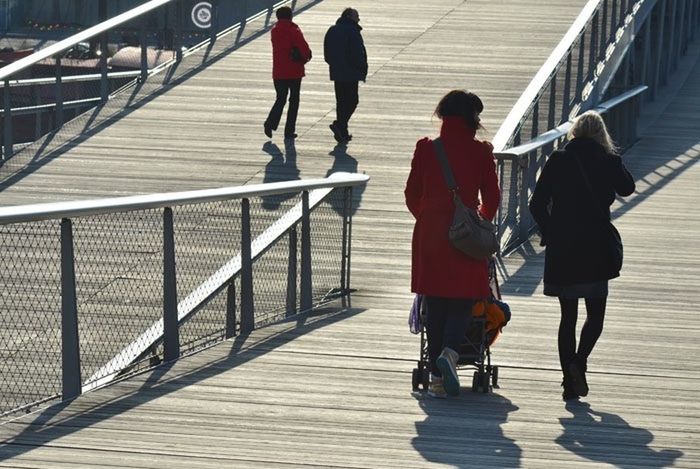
point(213, 30)
point(7, 122)
point(104, 83)
point(674, 39)
point(247, 300)
point(171, 336)
point(667, 43)
point(59, 95)
point(143, 40)
point(231, 309)
point(604, 40)
point(523, 209)
point(347, 240)
point(535, 130)
point(593, 55)
point(646, 53)
point(579, 68)
point(306, 299)
point(681, 30)
point(566, 99)
point(177, 39)
point(551, 116)
point(658, 51)
point(70, 343)
point(292, 274)
point(36, 101)
point(345, 256)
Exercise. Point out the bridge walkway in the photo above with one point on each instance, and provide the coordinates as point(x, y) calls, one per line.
point(332, 389)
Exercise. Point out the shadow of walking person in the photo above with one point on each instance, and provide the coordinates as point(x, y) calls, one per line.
point(608, 438)
point(466, 432)
point(344, 162)
point(282, 167)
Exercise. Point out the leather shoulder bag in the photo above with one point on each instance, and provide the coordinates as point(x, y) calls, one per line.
point(469, 232)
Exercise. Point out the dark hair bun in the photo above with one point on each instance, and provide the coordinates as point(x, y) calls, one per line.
point(461, 103)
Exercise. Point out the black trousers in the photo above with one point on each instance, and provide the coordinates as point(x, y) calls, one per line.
point(446, 325)
point(346, 101)
point(284, 88)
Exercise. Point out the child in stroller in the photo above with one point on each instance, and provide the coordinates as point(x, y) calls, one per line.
point(488, 319)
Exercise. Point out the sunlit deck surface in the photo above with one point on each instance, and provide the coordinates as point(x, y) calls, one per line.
point(333, 388)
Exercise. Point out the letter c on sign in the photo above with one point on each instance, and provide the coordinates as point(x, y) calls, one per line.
point(201, 15)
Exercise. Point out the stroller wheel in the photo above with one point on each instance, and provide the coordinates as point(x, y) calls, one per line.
point(416, 378)
point(480, 382)
point(485, 383)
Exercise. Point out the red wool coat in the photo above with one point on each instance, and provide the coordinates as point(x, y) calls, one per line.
point(438, 269)
point(284, 36)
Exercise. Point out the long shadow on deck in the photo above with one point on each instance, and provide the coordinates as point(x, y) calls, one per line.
point(50, 424)
point(466, 431)
point(604, 437)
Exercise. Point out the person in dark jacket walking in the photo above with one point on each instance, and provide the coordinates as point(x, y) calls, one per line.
point(571, 205)
point(450, 280)
point(290, 52)
point(344, 51)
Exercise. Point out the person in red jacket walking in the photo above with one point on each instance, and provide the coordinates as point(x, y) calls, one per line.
point(449, 280)
point(290, 52)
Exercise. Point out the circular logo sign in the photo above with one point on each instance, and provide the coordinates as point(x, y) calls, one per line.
point(201, 15)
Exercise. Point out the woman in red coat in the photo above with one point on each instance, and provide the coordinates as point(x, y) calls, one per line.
point(449, 279)
point(290, 52)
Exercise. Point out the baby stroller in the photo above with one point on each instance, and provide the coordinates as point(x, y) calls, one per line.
point(488, 318)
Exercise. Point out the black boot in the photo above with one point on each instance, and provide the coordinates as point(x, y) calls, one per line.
point(577, 372)
point(569, 393)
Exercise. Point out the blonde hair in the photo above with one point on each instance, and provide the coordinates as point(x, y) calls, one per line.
point(590, 124)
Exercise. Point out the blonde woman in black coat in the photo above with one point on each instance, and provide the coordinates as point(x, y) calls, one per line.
point(572, 210)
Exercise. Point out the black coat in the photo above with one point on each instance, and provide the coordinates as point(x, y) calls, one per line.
point(344, 51)
point(573, 227)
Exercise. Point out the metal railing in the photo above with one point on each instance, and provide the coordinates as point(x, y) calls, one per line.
point(94, 289)
point(642, 39)
point(156, 37)
point(613, 51)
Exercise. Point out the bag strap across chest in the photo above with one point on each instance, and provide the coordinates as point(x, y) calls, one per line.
point(445, 165)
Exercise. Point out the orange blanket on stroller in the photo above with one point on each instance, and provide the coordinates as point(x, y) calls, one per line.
point(496, 317)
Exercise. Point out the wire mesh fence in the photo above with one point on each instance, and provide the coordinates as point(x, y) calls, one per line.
point(118, 264)
point(120, 275)
point(30, 318)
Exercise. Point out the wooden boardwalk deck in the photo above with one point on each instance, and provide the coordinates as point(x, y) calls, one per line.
point(332, 389)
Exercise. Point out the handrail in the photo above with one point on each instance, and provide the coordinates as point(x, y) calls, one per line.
point(48, 52)
point(55, 210)
point(73, 78)
point(512, 121)
point(560, 131)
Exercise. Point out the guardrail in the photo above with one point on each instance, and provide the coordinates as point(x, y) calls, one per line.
point(614, 49)
point(94, 289)
point(154, 39)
